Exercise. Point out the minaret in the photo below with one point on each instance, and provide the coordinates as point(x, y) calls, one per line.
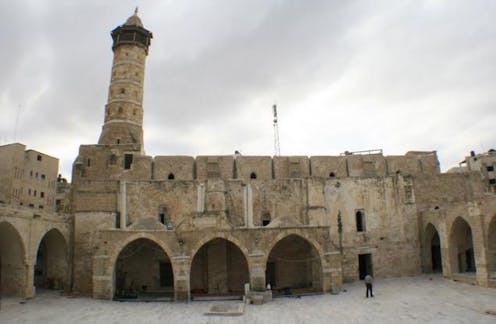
point(124, 109)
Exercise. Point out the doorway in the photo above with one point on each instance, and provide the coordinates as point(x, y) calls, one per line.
point(437, 265)
point(365, 265)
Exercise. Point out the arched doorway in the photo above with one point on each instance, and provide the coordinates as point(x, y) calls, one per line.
point(462, 247)
point(51, 267)
point(432, 248)
point(219, 268)
point(436, 259)
point(294, 267)
point(143, 271)
point(12, 269)
point(491, 243)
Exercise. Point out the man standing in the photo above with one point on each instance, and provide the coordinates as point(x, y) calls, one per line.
point(368, 283)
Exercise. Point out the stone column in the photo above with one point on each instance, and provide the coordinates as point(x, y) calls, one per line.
point(103, 277)
point(257, 271)
point(123, 204)
point(200, 203)
point(29, 288)
point(182, 266)
point(332, 274)
point(248, 205)
point(480, 251)
point(445, 249)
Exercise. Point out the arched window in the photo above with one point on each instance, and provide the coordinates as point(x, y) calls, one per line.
point(360, 221)
point(253, 175)
point(332, 175)
point(171, 176)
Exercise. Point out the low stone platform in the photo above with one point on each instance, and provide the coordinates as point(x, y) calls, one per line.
point(231, 309)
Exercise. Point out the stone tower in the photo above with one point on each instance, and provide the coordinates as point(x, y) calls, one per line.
point(124, 110)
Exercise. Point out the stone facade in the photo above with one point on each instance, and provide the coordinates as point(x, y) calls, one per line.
point(27, 177)
point(184, 227)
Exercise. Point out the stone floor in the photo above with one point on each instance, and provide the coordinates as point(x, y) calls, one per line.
point(423, 299)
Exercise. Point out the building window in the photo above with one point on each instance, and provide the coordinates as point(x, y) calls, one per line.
point(42, 194)
point(38, 157)
point(171, 176)
point(88, 162)
point(118, 220)
point(360, 221)
point(34, 193)
point(492, 181)
point(253, 175)
point(43, 177)
point(490, 168)
point(128, 161)
point(266, 219)
point(31, 173)
point(36, 175)
point(29, 192)
point(332, 175)
point(164, 218)
point(113, 159)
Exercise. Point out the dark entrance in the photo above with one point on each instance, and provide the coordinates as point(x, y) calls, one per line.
point(270, 274)
point(166, 276)
point(219, 268)
point(365, 265)
point(50, 270)
point(143, 271)
point(437, 265)
point(294, 267)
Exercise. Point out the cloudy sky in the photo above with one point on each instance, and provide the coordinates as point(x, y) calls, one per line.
point(346, 75)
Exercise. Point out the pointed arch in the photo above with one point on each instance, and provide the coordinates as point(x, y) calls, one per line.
point(219, 267)
point(51, 263)
point(432, 249)
point(12, 261)
point(294, 264)
point(143, 269)
point(462, 247)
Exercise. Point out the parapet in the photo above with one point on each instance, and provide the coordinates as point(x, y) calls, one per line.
point(127, 162)
point(173, 167)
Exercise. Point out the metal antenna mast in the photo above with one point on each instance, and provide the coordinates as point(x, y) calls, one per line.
point(277, 146)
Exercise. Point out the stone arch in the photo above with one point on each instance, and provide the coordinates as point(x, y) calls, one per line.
point(224, 236)
point(51, 261)
point(286, 233)
point(12, 261)
point(432, 249)
point(142, 268)
point(491, 248)
point(219, 266)
point(294, 264)
point(462, 247)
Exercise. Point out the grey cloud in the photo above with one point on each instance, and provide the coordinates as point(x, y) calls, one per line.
point(402, 75)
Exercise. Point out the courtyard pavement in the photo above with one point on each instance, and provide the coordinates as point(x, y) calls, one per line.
point(423, 299)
